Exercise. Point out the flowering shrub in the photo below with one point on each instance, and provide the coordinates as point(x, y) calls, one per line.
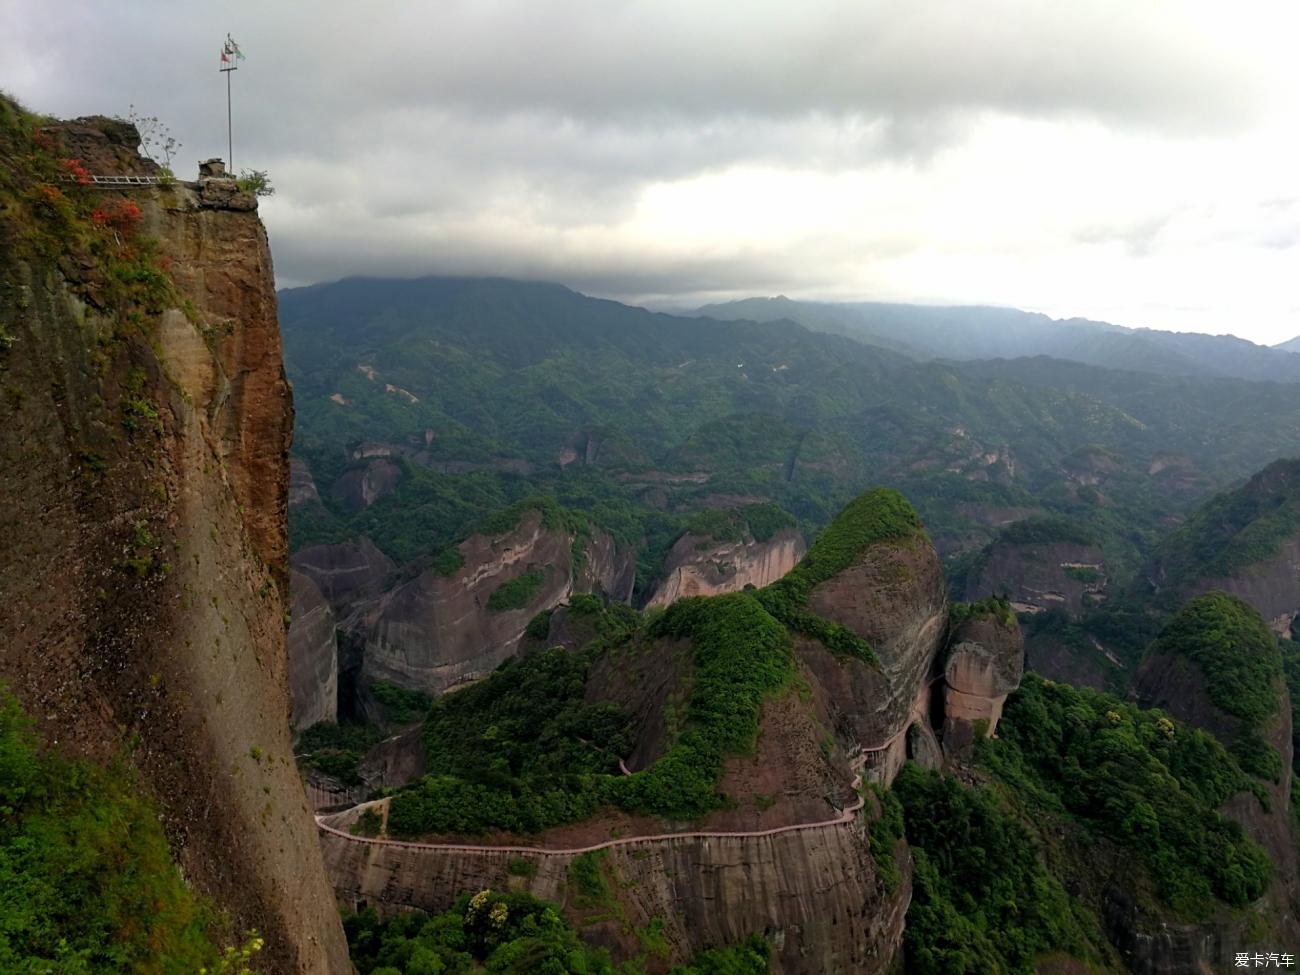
point(77, 171)
point(123, 216)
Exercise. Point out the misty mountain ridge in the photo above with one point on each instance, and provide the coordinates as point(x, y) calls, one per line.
point(986, 332)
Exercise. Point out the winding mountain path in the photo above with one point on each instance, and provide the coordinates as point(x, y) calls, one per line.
point(846, 815)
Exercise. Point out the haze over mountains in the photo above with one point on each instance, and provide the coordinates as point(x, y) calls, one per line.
point(958, 332)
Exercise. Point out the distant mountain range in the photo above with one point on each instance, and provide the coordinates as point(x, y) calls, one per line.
point(977, 332)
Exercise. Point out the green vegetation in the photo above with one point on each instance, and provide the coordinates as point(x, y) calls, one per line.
point(588, 885)
point(401, 706)
point(369, 823)
point(518, 751)
point(515, 593)
point(1046, 531)
point(1291, 665)
point(740, 656)
point(883, 833)
point(1239, 659)
point(1233, 530)
point(539, 626)
point(336, 749)
point(522, 751)
point(449, 561)
point(983, 903)
point(997, 607)
point(879, 515)
point(87, 882)
point(255, 181)
point(1136, 778)
point(512, 934)
point(758, 521)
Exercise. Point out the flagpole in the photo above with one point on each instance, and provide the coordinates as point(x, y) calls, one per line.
point(231, 55)
point(230, 130)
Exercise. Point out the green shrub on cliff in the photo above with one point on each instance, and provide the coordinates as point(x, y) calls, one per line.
point(1241, 664)
point(1137, 778)
point(874, 516)
point(515, 593)
point(760, 521)
point(983, 903)
point(87, 881)
point(523, 751)
point(514, 934)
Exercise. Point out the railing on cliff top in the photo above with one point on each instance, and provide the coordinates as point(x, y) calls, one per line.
point(120, 181)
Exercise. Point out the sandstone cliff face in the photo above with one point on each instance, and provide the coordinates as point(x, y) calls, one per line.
point(313, 655)
point(815, 893)
point(1038, 577)
point(894, 597)
point(143, 479)
point(361, 487)
point(703, 567)
point(435, 631)
point(345, 573)
point(985, 662)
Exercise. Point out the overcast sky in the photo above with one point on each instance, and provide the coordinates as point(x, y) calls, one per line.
point(1135, 162)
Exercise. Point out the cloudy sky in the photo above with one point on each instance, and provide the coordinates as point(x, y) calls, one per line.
point(1136, 162)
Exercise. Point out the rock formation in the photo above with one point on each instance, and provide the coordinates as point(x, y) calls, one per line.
point(143, 482)
point(1245, 542)
point(1249, 710)
point(817, 894)
point(345, 573)
point(437, 630)
point(313, 655)
point(985, 661)
point(893, 596)
point(360, 487)
point(698, 566)
point(1039, 576)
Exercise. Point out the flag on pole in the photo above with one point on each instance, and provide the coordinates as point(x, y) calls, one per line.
point(233, 48)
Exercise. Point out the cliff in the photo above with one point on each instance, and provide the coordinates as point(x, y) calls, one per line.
point(313, 655)
point(817, 894)
point(985, 661)
point(1245, 542)
point(697, 566)
point(440, 628)
point(768, 833)
point(1217, 667)
point(1041, 565)
point(885, 585)
point(144, 429)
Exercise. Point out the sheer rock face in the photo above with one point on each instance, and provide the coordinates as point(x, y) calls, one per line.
point(144, 571)
point(815, 893)
point(302, 487)
point(435, 631)
point(985, 663)
point(1040, 576)
point(698, 566)
point(313, 655)
point(894, 597)
point(345, 573)
point(360, 487)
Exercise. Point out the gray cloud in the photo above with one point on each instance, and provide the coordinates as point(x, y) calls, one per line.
point(513, 137)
